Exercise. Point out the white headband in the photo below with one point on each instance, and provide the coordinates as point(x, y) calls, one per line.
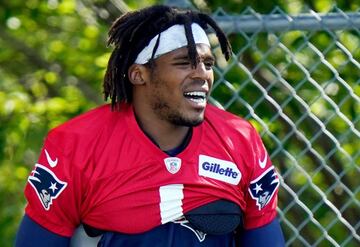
point(171, 39)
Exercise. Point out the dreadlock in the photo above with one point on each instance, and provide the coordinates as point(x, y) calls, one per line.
point(131, 32)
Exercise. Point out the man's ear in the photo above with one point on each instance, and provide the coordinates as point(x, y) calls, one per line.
point(138, 74)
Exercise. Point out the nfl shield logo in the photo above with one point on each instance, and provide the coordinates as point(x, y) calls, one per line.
point(173, 164)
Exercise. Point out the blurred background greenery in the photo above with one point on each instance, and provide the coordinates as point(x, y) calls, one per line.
point(52, 59)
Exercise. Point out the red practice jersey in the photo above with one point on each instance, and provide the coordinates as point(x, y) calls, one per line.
point(101, 169)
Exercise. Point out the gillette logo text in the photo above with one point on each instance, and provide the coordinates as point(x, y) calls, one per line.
point(218, 169)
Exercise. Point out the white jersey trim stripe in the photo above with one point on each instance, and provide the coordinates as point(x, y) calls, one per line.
point(171, 197)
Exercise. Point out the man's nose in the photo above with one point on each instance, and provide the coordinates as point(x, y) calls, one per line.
point(201, 72)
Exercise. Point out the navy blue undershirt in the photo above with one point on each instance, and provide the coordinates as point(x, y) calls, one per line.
point(175, 151)
point(31, 234)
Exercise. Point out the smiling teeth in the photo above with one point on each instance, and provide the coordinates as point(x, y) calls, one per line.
point(196, 94)
point(198, 100)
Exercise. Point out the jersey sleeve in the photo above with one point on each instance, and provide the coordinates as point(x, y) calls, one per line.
point(263, 184)
point(55, 186)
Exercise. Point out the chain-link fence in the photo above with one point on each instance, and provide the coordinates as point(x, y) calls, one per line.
point(298, 80)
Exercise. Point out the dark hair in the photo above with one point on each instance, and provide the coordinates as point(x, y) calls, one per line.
point(131, 32)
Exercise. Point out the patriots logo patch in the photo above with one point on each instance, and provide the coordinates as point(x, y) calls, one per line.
point(46, 185)
point(263, 188)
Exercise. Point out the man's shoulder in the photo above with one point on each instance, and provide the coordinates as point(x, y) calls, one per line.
point(222, 117)
point(89, 125)
point(228, 124)
point(89, 119)
point(87, 130)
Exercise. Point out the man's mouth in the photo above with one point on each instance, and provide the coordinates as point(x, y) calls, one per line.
point(196, 96)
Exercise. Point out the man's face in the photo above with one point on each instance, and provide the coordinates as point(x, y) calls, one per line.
point(177, 92)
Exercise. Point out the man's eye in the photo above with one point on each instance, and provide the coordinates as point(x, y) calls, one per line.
point(209, 64)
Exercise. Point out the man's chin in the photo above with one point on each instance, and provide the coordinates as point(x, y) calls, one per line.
point(194, 123)
point(188, 122)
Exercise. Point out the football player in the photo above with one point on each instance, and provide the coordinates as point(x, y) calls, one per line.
point(158, 166)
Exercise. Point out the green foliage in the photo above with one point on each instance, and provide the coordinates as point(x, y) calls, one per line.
point(52, 62)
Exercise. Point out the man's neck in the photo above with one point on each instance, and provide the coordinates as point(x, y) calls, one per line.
point(164, 134)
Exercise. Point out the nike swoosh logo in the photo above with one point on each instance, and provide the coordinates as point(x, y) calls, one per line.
point(51, 162)
point(262, 163)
